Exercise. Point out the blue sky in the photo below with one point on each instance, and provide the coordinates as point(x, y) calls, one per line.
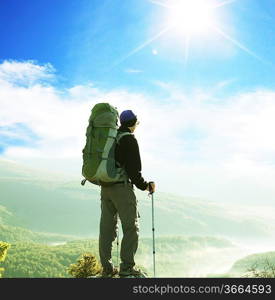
point(214, 104)
point(84, 39)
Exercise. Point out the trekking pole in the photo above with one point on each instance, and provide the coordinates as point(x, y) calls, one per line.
point(153, 228)
point(117, 243)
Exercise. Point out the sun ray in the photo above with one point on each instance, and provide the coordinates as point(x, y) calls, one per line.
point(146, 43)
point(159, 3)
point(238, 44)
point(224, 3)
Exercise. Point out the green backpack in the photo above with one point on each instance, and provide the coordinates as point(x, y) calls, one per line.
point(99, 165)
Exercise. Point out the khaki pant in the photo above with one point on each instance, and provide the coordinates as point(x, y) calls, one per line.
point(118, 200)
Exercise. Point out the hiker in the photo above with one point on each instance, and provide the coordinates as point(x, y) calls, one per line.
point(119, 199)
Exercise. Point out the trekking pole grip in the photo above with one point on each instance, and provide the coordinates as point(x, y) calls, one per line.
point(150, 187)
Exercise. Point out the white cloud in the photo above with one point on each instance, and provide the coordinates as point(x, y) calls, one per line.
point(25, 73)
point(191, 144)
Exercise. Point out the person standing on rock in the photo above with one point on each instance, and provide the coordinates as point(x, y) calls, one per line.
point(119, 199)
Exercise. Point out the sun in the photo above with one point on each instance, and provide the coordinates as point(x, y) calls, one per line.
point(190, 16)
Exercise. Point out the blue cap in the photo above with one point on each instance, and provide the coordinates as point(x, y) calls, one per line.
point(127, 115)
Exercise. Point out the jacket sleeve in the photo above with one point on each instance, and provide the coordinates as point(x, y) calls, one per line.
point(132, 160)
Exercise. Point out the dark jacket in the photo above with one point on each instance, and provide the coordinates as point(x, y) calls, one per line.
point(127, 154)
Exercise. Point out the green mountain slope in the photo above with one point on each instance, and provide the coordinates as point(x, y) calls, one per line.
point(52, 203)
point(6, 217)
point(12, 234)
point(259, 262)
point(175, 256)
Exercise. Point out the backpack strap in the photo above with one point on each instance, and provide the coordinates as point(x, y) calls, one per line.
point(120, 135)
point(118, 138)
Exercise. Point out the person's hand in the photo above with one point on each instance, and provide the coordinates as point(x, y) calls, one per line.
point(153, 187)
